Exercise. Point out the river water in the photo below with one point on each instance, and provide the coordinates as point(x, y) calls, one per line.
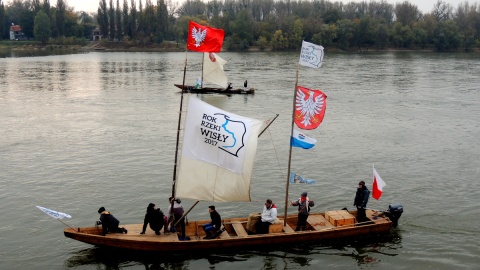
point(80, 131)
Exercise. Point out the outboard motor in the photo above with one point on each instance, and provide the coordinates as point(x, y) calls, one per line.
point(394, 213)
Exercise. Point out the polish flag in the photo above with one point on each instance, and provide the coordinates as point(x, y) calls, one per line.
point(378, 185)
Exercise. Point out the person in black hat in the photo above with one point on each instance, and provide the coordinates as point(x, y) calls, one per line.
point(154, 217)
point(361, 200)
point(304, 204)
point(214, 225)
point(109, 222)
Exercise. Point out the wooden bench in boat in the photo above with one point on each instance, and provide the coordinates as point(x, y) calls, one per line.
point(318, 222)
point(239, 229)
point(276, 227)
point(224, 235)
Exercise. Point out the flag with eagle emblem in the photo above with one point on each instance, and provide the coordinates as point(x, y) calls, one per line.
point(310, 106)
point(203, 38)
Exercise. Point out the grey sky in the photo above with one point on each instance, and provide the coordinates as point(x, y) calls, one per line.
point(423, 5)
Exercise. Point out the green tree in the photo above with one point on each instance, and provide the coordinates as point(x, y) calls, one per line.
point(162, 18)
point(43, 29)
point(345, 33)
point(125, 19)
point(406, 13)
point(118, 21)
point(102, 17)
point(111, 20)
point(2, 20)
point(278, 41)
point(60, 18)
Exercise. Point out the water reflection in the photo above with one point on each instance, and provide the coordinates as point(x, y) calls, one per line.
point(9, 53)
point(361, 251)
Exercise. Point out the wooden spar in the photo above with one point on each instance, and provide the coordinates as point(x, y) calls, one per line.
point(268, 125)
point(203, 60)
point(178, 138)
point(185, 214)
point(290, 152)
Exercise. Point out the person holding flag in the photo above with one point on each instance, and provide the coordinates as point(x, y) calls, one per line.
point(361, 200)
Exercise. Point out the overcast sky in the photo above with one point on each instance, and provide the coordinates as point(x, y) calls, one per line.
point(423, 5)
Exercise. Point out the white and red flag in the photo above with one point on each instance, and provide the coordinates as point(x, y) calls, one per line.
point(310, 106)
point(203, 38)
point(378, 185)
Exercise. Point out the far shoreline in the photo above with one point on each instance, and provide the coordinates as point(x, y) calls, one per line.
point(174, 47)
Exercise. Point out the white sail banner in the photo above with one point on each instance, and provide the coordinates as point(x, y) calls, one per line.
point(311, 55)
point(53, 213)
point(213, 69)
point(218, 152)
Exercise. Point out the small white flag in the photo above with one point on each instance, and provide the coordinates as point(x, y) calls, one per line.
point(311, 55)
point(53, 213)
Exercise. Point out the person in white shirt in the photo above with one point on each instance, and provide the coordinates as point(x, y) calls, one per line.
point(269, 216)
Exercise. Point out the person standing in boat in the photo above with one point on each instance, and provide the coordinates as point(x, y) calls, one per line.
point(361, 200)
point(154, 217)
point(177, 215)
point(109, 222)
point(245, 87)
point(214, 225)
point(269, 216)
point(304, 204)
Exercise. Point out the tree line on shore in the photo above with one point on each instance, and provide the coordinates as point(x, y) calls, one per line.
point(266, 24)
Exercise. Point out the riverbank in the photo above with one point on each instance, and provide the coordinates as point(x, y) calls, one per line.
point(167, 46)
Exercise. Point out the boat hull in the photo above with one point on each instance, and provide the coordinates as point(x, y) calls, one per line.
point(235, 236)
point(214, 90)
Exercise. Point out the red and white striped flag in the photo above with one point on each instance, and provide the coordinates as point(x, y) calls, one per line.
point(378, 185)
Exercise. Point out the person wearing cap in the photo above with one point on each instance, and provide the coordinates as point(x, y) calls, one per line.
point(269, 216)
point(304, 204)
point(154, 217)
point(109, 222)
point(214, 225)
point(361, 200)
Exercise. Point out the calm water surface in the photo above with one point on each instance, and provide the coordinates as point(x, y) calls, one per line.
point(87, 130)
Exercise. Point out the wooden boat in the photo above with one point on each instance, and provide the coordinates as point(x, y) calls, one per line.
point(214, 90)
point(213, 73)
point(236, 234)
point(216, 164)
point(196, 181)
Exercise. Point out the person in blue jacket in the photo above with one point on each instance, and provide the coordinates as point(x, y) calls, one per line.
point(109, 222)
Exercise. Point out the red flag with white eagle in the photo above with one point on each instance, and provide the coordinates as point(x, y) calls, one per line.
point(203, 38)
point(378, 185)
point(310, 106)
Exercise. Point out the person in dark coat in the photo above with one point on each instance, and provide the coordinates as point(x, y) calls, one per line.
point(212, 227)
point(154, 217)
point(109, 222)
point(304, 204)
point(361, 200)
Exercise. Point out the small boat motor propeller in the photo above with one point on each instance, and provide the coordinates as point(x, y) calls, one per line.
point(394, 213)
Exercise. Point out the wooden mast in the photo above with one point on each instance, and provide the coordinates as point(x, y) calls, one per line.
point(290, 152)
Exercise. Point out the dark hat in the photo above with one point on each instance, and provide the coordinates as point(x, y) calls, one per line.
point(362, 183)
point(304, 194)
point(101, 209)
point(212, 207)
point(151, 205)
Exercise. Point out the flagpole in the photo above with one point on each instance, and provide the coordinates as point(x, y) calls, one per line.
point(290, 151)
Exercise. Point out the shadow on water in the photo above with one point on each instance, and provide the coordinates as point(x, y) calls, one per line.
point(362, 251)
